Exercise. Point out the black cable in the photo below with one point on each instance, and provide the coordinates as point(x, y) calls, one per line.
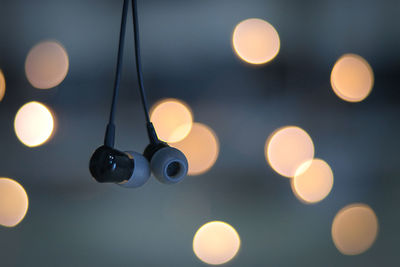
point(110, 132)
point(150, 128)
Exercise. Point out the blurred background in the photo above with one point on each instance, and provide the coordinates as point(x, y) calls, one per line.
point(192, 51)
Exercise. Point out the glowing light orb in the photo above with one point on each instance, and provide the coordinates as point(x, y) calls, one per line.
point(33, 124)
point(172, 119)
point(256, 41)
point(352, 78)
point(314, 183)
point(216, 243)
point(201, 148)
point(354, 229)
point(2, 85)
point(287, 149)
point(13, 202)
point(46, 65)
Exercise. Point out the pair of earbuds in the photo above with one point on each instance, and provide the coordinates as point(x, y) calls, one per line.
point(129, 168)
point(132, 169)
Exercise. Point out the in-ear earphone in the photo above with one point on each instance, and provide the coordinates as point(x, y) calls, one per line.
point(132, 169)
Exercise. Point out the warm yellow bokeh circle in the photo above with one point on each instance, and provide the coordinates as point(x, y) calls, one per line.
point(313, 181)
point(354, 229)
point(46, 65)
point(201, 148)
point(172, 119)
point(255, 41)
point(287, 148)
point(352, 78)
point(216, 243)
point(2, 85)
point(34, 124)
point(13, 202)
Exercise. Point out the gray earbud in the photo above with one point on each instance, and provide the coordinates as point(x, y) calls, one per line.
point(169, 165)
point(141, 171)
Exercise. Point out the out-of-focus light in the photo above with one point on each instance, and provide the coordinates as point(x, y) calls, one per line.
point(314, 183)
point(201, 148)
point(352, 78)
point(13, 202)
point(34, 124)
point(256, 41)
point(2, 85)
point(354, 229)
point(46, 65)
point(172, 119)
point(216, 243)
point(287, 149)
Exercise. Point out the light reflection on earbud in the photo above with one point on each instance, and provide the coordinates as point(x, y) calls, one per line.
point(172, 119)
point(13, 202)
point(46, 65)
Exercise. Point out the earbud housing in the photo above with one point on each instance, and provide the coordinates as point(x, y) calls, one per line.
point(108, 165)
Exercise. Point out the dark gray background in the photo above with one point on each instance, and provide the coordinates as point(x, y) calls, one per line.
point(187, 54)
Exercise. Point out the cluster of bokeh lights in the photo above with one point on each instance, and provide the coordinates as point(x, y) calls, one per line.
point(289, 150)
point(46, 66)
point(172, 119)
point(197, 141)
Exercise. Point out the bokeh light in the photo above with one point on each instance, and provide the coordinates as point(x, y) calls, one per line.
point(34, 124)
point(256, 41)
point(2, 85)
point(216, 243)
point(314, 183)
point(46, 65)
point(172, 119)
point(287, 148)
point(354, 229)
point(201, 148)
point(13, 202)
point(352, 78)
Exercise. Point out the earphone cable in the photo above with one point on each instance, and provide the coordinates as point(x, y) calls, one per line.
point(150, 128)
point(110, 131)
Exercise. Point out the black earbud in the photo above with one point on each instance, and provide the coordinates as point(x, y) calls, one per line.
point(131, 169)
point(128, 169)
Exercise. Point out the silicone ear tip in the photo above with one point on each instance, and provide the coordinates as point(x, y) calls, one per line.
point(169, 165)
point(141, 171)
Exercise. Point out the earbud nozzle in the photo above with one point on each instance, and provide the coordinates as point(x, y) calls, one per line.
point(169, 165)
